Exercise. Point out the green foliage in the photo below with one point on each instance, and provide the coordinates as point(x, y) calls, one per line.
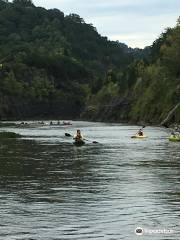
point(147, 89)
point(24, 3)
point(157, 87)
point(56, 65)
point(4, 135)
point(51, 63)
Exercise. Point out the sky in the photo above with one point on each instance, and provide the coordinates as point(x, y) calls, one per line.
point(136, 23)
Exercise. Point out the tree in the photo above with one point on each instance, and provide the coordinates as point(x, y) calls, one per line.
point(25, 3)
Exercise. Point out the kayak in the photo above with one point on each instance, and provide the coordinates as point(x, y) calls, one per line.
point(79, 143)
point(174, 138)
point(139, 137)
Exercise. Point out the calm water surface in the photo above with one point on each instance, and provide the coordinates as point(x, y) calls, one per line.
point(51, 189)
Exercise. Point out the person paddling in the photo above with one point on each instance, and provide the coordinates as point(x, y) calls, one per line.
point(140, 132)
point(78, 136)
point(175, 133)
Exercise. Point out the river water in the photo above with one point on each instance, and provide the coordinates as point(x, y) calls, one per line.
point(51, 189)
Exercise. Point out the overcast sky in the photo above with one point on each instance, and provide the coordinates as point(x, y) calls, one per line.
point(135, 22)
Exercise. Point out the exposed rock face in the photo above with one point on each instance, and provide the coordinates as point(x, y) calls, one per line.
point(117, 110)
point(170, 117)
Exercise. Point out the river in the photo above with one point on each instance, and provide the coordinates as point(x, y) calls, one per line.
point(51, 189)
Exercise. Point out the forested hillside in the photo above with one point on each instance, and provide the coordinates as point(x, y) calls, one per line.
point(148, 90)
point(52, 65)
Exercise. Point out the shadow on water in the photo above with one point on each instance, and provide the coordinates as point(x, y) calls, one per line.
point(27, 167)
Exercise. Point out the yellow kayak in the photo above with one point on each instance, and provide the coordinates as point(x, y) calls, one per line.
point(174, 138)
point(139, 137)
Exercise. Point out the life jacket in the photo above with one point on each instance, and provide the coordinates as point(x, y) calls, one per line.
point(140, 133)
point(78, 137)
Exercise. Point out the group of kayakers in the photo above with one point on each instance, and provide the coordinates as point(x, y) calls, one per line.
point(79, 139)
point(175, 135)
point(63, 123)
point(60, 123)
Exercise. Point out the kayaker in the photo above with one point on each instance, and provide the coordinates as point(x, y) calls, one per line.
point(175, 134)
point(140, 132)
point(78, 136)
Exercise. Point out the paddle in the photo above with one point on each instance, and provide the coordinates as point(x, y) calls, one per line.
point(69, 135)
point(90, 141)
point(142, 128)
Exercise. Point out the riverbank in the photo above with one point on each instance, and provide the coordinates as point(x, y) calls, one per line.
point(49, 122)
point(5, 135)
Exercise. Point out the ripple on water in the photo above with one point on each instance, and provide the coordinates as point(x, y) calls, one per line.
point(51, 189)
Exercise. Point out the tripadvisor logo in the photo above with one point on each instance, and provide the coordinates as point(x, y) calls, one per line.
point(139, 231)
point(143, 231)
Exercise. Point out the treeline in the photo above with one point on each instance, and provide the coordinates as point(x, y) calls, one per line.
point(147, 89)
point(51, 63)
